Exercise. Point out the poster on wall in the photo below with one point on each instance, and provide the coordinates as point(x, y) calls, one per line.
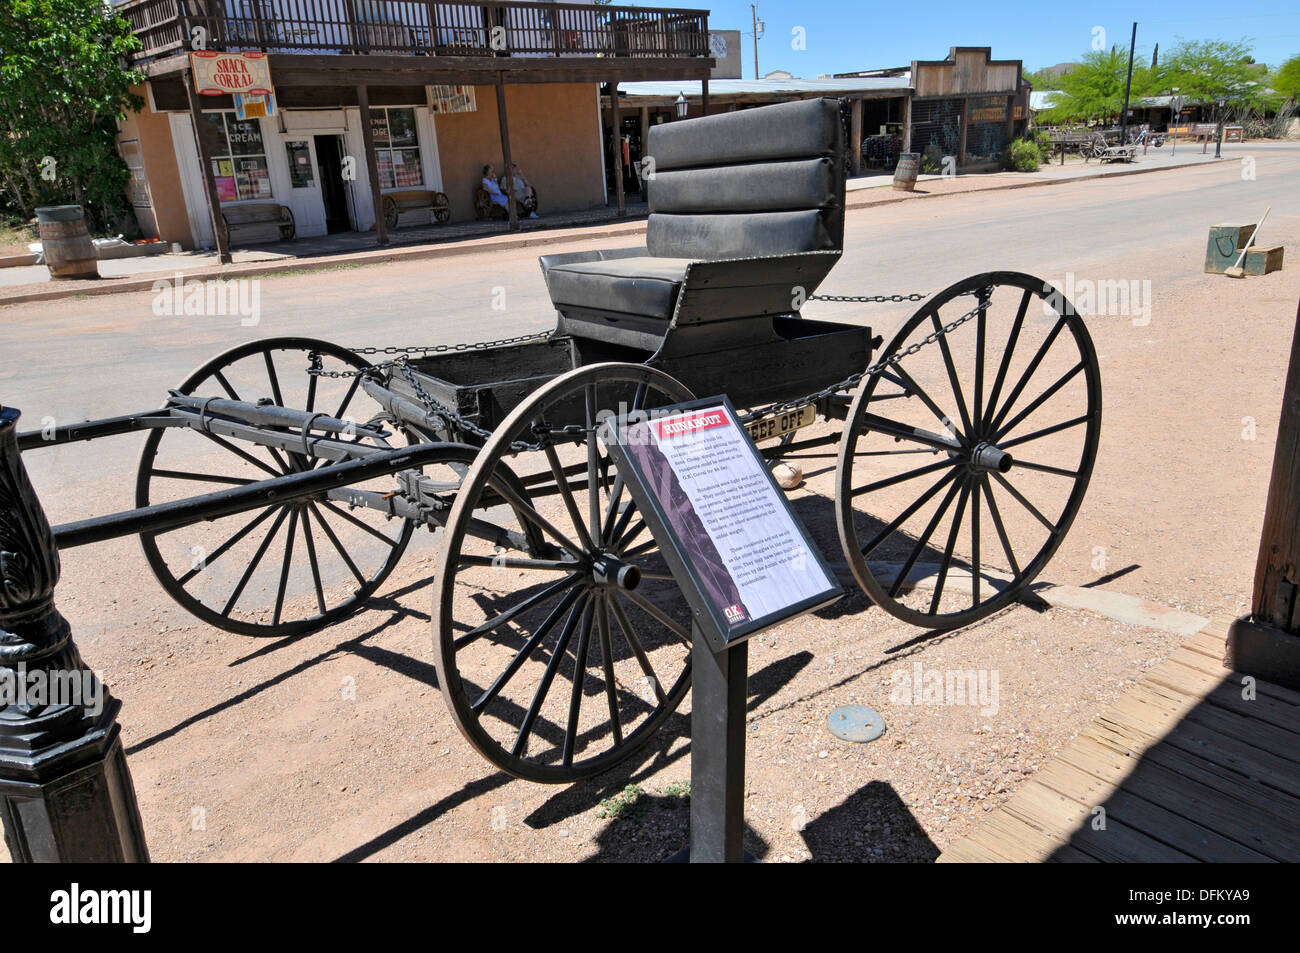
point(451, 99)
point(254, 105)
point(216, 74)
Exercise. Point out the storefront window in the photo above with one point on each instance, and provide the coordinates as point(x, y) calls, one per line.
point(238, 157)
point(397, 150)
point(300, 171)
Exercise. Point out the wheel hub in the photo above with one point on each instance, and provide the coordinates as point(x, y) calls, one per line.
point(608, 570)
point(988, 458)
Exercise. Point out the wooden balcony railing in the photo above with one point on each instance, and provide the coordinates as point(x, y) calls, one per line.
point(416, 27)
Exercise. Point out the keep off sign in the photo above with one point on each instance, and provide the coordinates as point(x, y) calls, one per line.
point(216, 74)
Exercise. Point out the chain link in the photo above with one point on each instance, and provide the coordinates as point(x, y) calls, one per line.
point(545, 436)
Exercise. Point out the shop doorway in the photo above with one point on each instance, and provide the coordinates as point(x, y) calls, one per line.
point(334, 193)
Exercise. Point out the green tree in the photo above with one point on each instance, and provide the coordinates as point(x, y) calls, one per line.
point(1094, 90)
point(65, 79)
point(1286, 81)
point(1204, 70)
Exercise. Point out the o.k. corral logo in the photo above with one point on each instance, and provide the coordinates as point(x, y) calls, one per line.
point(216, 74)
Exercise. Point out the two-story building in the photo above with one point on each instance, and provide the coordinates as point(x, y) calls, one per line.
point(372, 97)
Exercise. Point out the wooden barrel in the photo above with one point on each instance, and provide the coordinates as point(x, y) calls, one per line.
point(909, 164)
point(69, 252)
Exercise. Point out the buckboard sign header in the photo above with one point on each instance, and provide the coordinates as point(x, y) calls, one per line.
point(218, 73)
point(742, 557)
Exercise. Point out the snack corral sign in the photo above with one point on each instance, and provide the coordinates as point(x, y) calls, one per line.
point(216, 74)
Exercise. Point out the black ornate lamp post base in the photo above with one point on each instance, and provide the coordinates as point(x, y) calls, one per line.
point(65, 790)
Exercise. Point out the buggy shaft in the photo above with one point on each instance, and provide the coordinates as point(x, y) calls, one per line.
point(292, 487)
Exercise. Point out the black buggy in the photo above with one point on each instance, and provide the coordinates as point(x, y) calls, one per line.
point(281, 482)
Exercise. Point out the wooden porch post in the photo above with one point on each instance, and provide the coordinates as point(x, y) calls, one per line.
point(704, 97)
point(219, 233)
point(508, 172)
point(1268, 644)
point(372, 164)
point(616, 145)
point(907, 123)
point(855, 132)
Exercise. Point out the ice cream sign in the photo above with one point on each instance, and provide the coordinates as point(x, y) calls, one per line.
point(216, 73)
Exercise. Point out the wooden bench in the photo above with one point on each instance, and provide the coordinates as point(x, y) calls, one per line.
point(397, 204)
point(258, 223)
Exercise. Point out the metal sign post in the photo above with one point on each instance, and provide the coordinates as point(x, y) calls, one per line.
point(744, 562)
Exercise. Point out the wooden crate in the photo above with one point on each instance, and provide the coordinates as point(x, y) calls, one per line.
point(1224, 245)
point(1260, 261)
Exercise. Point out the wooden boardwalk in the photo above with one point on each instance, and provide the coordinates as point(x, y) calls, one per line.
point(1183, 766)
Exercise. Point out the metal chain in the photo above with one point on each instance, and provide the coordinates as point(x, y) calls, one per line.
point(878, 368)
point(546, 435)
point(870, 299)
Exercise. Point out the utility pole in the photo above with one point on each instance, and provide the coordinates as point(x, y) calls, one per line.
point(1128, 85)
point(753, 9)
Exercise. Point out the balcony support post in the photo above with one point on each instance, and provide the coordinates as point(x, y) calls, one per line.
point(616, 147)
point(219, 234)
point(372, 164)
point(508, 170)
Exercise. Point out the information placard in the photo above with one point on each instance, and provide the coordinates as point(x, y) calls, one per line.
point(726, 530)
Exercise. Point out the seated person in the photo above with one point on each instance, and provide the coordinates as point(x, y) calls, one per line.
point(492, 189)
point(523, 191)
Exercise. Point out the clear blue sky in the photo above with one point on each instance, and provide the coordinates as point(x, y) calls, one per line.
point(845, 35)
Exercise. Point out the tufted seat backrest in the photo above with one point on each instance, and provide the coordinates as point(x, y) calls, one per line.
point(749, 184)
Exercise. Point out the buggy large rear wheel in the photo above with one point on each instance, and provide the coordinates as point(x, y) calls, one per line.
point(559, 662)
point(962, 466)
point(291, 567)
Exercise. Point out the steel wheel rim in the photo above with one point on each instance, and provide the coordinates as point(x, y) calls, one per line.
point(271, 516)
point(565, 763)
point(1009, 394)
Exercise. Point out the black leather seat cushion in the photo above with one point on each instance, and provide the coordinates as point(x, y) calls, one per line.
point(642, 286)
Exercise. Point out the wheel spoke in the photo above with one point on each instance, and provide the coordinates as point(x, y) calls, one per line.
point(241, 453)
point(607, 660)
point(1005, 364)
point(566, 495)
point(947, 550)
point(1046, 431)
point(226, 546)
point(975, 544)
point(315, 565)
point(271, 375)
point(334, 541)
point(525, 650)
point(1041, 399)
point(1024, 502)
point(634, 643)
point(225, 385)
point(608, 526)
point(903, 517)
point(952, 372)
point(525, 509)
point(652, 610)
point(199, 477)
point(579, 677)
point(921, 392)
point(537, 598)
point(626, 540)
point(285, 567)
point(923, 539)
point(593, 492)
point(253, 563)
point(981, 321)
point(360, 524)
point(548, 677)
point(1028, 373)
point(1044, 468)
point(997, 524)
point(904, 477)
point(347, 398)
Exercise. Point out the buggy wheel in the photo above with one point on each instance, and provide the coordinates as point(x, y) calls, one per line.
point(291, 567)
point(962, 467)
point(560, 661)
point(441, 208)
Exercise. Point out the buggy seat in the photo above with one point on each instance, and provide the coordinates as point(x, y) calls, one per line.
point(746, 220)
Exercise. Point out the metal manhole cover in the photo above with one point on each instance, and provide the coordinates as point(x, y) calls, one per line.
point(857, 723)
